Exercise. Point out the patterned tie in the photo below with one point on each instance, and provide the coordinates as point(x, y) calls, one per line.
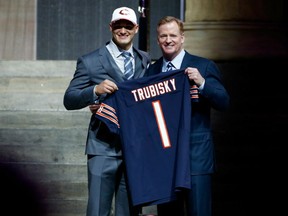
point(128, 66)
point(169, 67)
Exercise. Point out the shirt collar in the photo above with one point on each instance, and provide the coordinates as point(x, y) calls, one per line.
point(177, 61)
point(116, 52)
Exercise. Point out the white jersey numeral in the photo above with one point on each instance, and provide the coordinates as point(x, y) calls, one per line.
point(161, 124)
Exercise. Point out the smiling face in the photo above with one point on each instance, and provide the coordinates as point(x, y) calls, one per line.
point(123, 32)
point(170, 39)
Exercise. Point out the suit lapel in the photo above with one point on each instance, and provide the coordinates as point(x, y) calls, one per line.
point(156, 67)
point(140, 65)
point(109, 65)
point(188, 60)
point(114, 71)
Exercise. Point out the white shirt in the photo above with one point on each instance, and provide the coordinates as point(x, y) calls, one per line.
point(177, 61)
point(118, 58)
point(116, 54)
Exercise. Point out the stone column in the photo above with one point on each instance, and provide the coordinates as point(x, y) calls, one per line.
point(226, 29)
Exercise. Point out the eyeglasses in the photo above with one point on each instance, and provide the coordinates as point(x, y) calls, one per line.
point(119, 26)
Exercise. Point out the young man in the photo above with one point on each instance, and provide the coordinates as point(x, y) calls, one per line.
point(212, 94)
point(97, 75)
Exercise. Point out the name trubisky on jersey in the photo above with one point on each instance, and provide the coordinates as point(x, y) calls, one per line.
point(154, 90)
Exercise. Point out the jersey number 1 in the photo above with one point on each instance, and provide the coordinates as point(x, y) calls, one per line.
point(161, 124)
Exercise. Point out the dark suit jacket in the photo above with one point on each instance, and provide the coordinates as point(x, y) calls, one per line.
point(214, 95)
point(92, 69)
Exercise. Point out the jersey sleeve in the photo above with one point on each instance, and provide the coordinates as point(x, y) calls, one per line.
point(107, 114)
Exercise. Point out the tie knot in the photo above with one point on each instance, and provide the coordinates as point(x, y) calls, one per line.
point(169, 66)
point(126, 54)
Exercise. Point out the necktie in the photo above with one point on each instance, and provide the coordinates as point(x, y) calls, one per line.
point(169, 67)
point(128, 66)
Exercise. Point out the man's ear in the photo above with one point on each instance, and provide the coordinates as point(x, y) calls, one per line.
point(136, 29)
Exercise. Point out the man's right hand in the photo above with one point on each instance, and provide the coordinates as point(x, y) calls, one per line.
point(106, 86)
point(94, 107)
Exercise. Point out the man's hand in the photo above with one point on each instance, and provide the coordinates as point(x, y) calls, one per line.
point(106, 86)
point(194, 75)
point(94, 107)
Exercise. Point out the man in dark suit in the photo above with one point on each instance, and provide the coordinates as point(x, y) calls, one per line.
point(212, 94)
point(97, 74)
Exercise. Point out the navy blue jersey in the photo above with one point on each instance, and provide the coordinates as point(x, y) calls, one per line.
point(152, 115)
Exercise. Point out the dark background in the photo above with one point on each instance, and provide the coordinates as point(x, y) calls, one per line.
point(251, 140)
point(69, 28)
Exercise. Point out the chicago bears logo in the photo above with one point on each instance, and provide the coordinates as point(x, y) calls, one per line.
point(124, 12)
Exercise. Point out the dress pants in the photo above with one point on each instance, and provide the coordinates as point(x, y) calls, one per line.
point(195, 202)
point(106, 179)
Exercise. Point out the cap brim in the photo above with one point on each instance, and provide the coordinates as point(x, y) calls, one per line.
point(123, 19)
